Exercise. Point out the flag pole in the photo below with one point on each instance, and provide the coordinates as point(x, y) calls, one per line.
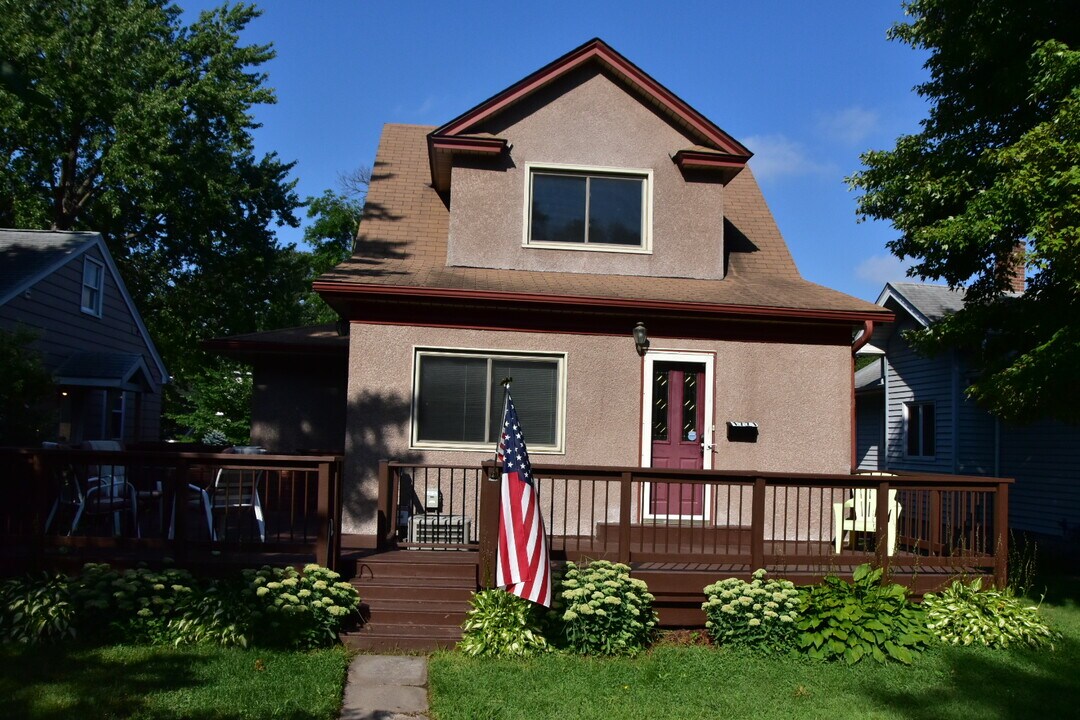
point(505, 382)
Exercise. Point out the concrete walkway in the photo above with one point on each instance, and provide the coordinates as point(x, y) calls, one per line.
point(386, 687)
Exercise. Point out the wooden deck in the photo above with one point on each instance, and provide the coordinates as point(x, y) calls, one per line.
point(417, 599)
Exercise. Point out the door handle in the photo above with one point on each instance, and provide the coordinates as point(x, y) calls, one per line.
point(708, 446)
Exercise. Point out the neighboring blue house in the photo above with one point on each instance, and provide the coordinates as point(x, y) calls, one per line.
point(912, 414)
point(65, 289)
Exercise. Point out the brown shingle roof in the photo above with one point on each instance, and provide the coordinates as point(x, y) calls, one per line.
point(403, 236)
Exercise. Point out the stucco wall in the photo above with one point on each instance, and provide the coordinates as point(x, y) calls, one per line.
point(586, 120)
point(798, 394)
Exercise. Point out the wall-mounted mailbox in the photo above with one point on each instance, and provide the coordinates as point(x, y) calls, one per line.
point(742, 431)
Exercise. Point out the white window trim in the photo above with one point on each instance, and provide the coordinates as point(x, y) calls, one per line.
point(708, 432)
point(486, 353)
point(95, 311)
point(645, 174)
point(907, 429)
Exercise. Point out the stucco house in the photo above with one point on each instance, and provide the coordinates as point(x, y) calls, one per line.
point(528, 237)
point(66, 290)
point(913, 416)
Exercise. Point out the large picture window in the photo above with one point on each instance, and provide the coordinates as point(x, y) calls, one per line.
point(458, 398)
point(920, 429)
point(93, 281)
point(588, 209)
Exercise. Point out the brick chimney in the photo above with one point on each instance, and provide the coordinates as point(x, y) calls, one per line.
point(1015, 267)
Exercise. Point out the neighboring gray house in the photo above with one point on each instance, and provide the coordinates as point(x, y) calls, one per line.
point(65, 288)
point(912, 414)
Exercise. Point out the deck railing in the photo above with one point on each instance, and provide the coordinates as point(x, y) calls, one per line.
point(739, 520)
point(182, 505)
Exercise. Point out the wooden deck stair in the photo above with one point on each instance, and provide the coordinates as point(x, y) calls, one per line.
point(414, 600)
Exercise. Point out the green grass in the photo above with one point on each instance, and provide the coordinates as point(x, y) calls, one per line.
point(169, 683)
point(703, 682)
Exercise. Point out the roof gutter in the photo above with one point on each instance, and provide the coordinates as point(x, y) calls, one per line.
point(778, 313)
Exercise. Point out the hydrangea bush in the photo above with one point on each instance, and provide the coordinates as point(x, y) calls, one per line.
point(298, 609)
point(606, 612)
point(759, 614)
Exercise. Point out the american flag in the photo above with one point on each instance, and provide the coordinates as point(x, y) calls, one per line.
point(524, 566)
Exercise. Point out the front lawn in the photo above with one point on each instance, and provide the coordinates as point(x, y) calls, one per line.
point(169, 683)
point(704, 682)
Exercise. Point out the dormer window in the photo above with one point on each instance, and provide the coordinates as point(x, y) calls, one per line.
point(587, 208)
point(93, 278)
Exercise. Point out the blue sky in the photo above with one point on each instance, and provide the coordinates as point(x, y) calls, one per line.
point(806, 86)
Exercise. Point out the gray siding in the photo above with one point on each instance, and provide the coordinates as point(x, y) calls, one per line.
point(52, 309)
point(869, 430)
point(912, 378)
point(1044, 458)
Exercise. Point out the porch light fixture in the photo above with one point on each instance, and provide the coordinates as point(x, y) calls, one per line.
point(641, 339)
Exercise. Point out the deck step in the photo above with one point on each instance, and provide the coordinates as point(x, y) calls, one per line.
point(380, 570)
point(378, 643)
point(396, 592)
point(381, 617)
point(415, 582)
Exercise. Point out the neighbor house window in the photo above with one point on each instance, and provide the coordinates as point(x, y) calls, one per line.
point(458, 398)
point(920, 429)
point(93, 280)
point(588, 209)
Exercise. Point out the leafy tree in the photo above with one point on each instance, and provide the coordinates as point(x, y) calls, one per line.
point(117, 117)
point(990, 184)
point(335, 218)
point(219, 402)
point(25, 391)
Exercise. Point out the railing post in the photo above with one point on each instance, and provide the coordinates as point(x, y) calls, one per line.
point(936, 547)
point(179, 506)
point(387, 516)
point(490, 496)
point(757, 526)
point(323, 541)
point(625, 499)
point(1001, 530)
point(40, 483)
point(882, 526)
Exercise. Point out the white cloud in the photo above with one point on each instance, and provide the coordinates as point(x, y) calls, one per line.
point(777, 156)
point(415, 114)
point(850, 125)
point(880, 269)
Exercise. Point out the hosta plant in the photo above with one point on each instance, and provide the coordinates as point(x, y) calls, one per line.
point(501, 624)
point(759, 614)
point(36, 610)
point(606, 612)
point(967, 614)
point(861, 619)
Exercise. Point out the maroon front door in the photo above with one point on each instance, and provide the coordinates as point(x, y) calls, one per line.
point(678, 427)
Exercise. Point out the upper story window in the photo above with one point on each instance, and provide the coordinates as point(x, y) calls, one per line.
point(920, 429)
point(458, 398)
point(586, 208)
point(93, 283)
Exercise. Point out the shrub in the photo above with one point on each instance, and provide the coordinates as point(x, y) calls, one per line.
point(864, 618)
point(755, 614)
point(271, 606)
point(136, 605)
point(298, 610)
point(501, 624)
point(607, 612)
point(965, 614)
point(36, 610)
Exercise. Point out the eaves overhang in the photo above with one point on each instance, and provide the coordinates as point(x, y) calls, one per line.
point(595, 50)
point(341, 291)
